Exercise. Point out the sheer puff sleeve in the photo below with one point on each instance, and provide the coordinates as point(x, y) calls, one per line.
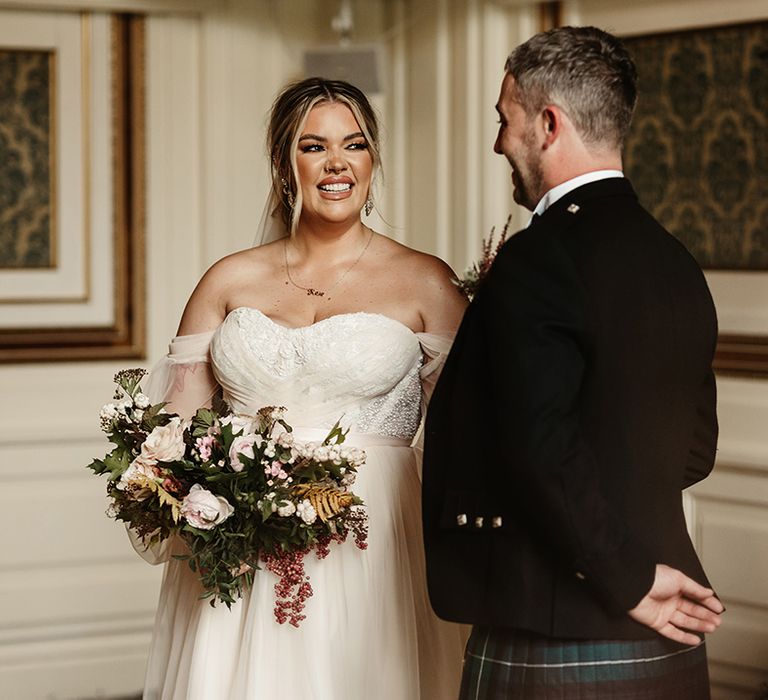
point(435, 348)
point(184, 380)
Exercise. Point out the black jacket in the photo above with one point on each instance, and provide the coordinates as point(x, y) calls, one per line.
point(577, 403)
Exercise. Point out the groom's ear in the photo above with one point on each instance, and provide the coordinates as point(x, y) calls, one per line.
point(551, 122)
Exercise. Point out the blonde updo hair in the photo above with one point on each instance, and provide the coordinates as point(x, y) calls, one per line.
point(287, 119)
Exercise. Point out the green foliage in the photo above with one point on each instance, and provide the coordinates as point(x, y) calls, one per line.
point(260, 516)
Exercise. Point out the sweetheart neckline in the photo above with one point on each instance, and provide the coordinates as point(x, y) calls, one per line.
point(322, 320)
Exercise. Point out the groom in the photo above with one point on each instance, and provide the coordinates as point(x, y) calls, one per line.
point(577, 403)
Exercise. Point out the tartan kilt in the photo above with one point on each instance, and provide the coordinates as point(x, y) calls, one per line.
point(503, 664)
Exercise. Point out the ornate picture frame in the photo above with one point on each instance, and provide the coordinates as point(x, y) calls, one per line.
point(697, 154)
point(87, 299)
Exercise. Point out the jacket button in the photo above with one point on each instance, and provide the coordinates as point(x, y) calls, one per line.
point(496, 521)
point(479, 521)
point(580, 576)
point(461, 519)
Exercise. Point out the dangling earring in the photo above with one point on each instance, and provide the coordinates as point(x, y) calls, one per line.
point(287, 192)
point(368, 208)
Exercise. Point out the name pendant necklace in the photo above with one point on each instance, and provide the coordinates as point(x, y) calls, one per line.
point(312, 291)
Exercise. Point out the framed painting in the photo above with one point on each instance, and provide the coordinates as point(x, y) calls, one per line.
point(698, 156)
point(72, 200)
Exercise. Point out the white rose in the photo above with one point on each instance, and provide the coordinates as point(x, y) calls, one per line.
point(286, 509)
point(204, 510)
point(241, 445)
point(137, 468)
point(165, 443)
point(306, 512)
point(141, 400)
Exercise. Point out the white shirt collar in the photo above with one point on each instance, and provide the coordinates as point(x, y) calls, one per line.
point(565, 187)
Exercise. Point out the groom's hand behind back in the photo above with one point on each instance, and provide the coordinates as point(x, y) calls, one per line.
point(677, 607)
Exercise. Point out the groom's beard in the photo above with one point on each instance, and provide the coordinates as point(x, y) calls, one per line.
point(527, 173)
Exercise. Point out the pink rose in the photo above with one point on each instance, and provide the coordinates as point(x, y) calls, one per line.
point(241, 445)
point(204, 510)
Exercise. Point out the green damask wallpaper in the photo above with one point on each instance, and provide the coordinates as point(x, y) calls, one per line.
point(698, 149)
point(26, 148)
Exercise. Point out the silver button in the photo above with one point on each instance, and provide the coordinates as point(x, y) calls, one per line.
point(573, 208)
point(461, 519)
point(580, 576)
point(496, 521)
point(479, 521)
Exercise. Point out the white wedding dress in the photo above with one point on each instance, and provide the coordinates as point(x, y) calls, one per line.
point(369, 633)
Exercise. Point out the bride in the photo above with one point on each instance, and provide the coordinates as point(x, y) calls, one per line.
point(328, 319)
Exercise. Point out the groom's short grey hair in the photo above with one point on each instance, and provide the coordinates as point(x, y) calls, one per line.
point(586, 72)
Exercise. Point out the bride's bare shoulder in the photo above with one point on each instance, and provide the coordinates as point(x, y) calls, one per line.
point(427, 269)
point(430, 282)
point(249, 261)
point(207, 306)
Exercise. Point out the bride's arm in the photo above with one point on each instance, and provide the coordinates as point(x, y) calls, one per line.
point(442, 308)
point(183, 379)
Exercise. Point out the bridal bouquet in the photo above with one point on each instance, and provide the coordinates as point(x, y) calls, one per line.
point(237, 489)
point(475, 274)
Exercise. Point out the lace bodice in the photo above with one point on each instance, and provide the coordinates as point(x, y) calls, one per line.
point(362, 366)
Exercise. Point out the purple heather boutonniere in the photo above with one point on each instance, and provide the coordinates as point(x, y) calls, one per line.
point(476, 272)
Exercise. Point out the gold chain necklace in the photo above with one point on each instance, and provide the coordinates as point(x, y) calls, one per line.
point(311, 291)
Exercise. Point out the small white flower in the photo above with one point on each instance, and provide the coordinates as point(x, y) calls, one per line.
point(269, 450)
point(286, 509)
point(285, 439)
point(306, 512)
point(322, 453)
point(356, 457)
point(108, 411)
point(138, 414)
point(141, 400)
